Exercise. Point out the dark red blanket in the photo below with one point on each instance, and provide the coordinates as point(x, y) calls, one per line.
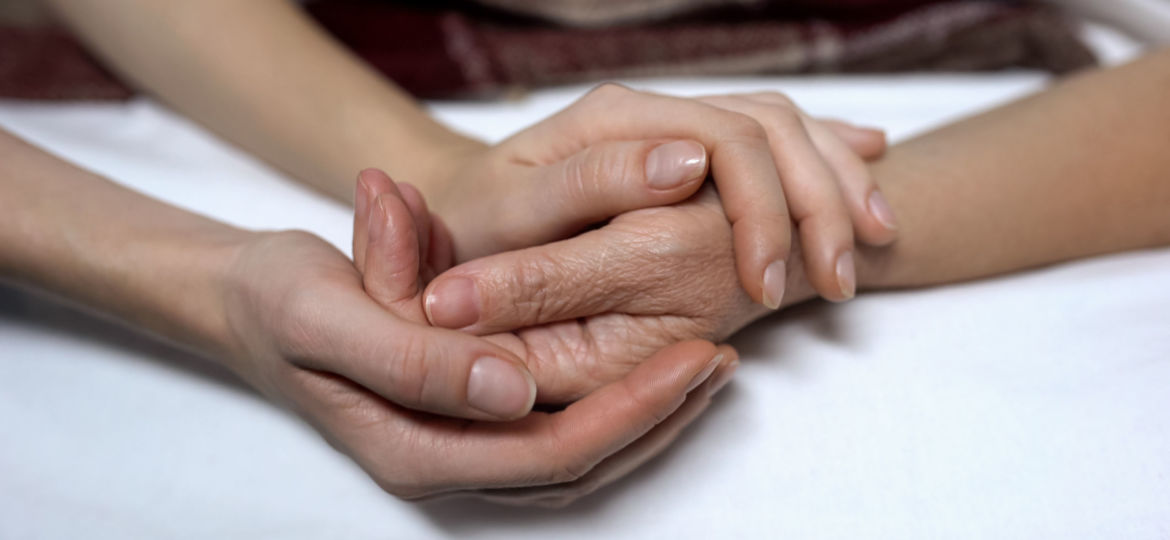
point(448, 52)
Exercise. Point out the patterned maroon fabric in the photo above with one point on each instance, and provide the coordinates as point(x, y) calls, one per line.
point(447, 52)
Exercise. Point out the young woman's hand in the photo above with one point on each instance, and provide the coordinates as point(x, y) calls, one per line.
point(618, 149)
point(308, 336)
point(315, 342)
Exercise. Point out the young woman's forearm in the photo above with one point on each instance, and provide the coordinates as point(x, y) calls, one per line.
point(82, 237)
point(264, 76)
point(1080, 170)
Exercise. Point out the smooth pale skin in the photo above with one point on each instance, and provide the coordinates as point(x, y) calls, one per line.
point(268, 79)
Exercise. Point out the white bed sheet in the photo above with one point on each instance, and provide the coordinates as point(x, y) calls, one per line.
point(1029, 406)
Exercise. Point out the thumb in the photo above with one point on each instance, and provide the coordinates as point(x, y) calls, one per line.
point(599, 182)
point(416, 366)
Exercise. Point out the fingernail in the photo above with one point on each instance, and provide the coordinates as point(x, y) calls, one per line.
point(880, 208)
point(453, 303)
point(724, 377)
point(499, 388)
point(674, 164)
point(846, 275)
point(775, 276)
point(706, 373)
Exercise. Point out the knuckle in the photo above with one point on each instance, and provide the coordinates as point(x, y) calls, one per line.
point(590, 173)
point(567, 468)
point(781, 121)
point(665, 243)
point(400, 488)
point(743, 126)
point(565, 461)
point(777, 227)
point(647, 409)
point(571, 471)
point(533, 276)
point(533, 280)
point(615, 165)
point(579, 174)
point(409, 372)
point(607, 90)
point(624, 167)
point(777, 98)
point(295, 237)
point(402, 469)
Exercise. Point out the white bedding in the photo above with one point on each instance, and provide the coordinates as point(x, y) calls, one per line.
point(1029, 406)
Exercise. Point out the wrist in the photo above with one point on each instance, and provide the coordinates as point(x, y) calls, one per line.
point(180, 292)
point(421, 152)
point(240, 281)
point(210, 326)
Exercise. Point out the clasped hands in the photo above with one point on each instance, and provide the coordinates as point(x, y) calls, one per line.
point(584, 261)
